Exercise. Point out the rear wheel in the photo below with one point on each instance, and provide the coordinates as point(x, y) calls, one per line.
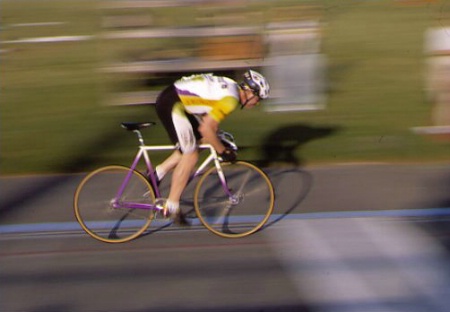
point(102, 215)
point(241, 211)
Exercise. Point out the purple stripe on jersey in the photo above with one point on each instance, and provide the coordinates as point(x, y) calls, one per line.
point(185, 93)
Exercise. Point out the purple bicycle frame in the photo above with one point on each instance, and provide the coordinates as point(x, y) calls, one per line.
point(143, 152)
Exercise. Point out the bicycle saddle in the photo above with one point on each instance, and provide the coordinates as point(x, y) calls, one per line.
point(131, 126)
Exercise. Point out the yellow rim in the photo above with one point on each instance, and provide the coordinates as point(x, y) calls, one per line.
point(255, 228)
point(81, 221)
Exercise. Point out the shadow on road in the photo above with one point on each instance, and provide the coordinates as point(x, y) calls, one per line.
point(281, 146)
point(37, 187)
point(291, 185)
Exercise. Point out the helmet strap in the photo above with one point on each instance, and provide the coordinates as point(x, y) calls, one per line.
point(247, 100)
point(245, 87)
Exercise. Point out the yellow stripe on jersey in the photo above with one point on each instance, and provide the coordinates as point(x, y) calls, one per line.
point(195, 100)
point(226, 106)
point(217, 109)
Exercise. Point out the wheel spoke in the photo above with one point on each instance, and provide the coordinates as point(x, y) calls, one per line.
point(101, 219)
point(242, 214)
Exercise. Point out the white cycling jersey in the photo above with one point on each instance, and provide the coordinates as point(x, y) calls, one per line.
point(208, 94)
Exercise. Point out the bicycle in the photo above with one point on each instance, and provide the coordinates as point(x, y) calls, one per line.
point(116, 204)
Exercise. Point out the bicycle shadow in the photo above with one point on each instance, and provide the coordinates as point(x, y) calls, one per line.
point(291, 186)
point(159, 228)
point(186, 206)
point(281, 145)
point(280, 148)
point(287, 198)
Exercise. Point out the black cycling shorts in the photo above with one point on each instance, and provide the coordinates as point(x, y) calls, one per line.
point(166, 103)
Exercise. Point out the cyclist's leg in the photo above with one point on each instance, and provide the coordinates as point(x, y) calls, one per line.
point(189, 153)
point(168, 164)
point(164, 106)
point(181, 175)
point(182, 130)
point(185, 126)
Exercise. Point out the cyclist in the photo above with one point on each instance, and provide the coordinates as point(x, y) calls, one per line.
point(190, 110)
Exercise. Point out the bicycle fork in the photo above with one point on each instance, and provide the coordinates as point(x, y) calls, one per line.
point(234, 199)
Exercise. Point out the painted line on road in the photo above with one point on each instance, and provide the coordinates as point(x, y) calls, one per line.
point(430, 212)
point(74, 226)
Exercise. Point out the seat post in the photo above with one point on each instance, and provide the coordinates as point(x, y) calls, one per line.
point(140, 138)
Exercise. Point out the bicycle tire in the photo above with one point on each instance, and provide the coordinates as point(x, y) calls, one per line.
point(253, 197)
point(94, 210)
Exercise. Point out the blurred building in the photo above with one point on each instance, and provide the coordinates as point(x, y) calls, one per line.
point(438, 74)
point(437, 82)
point(295, 66)
point(148, 43)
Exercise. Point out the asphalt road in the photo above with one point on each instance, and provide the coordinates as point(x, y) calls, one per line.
point(343, 238)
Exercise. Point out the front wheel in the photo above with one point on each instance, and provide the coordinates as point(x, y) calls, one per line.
point(100, 211)
point(240, 211)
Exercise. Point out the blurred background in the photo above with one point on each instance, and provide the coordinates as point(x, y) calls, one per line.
point(351, 80)
point(363, 81)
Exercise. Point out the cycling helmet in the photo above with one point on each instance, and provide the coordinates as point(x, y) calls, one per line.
point(257, 83)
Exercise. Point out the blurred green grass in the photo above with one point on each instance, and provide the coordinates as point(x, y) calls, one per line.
point(53, 117)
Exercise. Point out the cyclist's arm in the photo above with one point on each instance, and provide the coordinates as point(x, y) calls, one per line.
point(208, 129)
point(210, 123)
